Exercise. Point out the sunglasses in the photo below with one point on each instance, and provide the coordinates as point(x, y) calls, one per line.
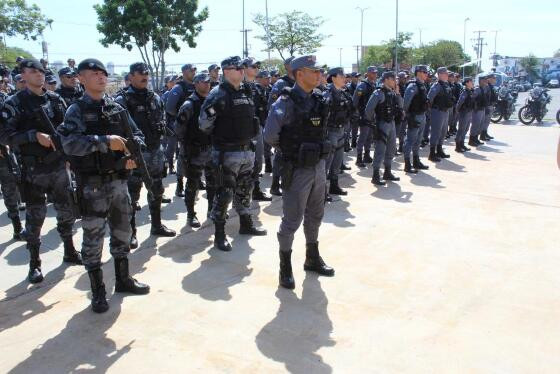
point(238, 68)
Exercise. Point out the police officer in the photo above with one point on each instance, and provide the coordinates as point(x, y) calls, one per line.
point(43, 163)
point(492, 96)
point(50, 83)
point(384, 109)
point(183, 89)
point(16, 70)
point(274, 76)
point(360, 100)
point(263, 89)
point(415, 106)
point(228, 115)
point(480, 105)
point(45, 64)
point(465, 107)
point(286, 80)
point(195, 148)
point(214, 72)
point(340, 107)
point(8, 183)
point(401, 125)
point(457, 88)
point(71, 63)
point(19, 83)
point(441, 99)
point(146, 109)
point(355, 120)
point(69, 89)
point(297, 125)
point(92, 134)
point(251, 70)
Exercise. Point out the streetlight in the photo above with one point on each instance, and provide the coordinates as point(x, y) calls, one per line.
point(362, 10)
point(340, 56)
point(396, 37)
point(464, 38)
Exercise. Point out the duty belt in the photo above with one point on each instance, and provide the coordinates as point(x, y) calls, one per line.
point(103, 178)
point(233, 147)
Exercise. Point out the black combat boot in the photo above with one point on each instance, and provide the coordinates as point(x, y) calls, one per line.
point(286, 276)
point(418, 165)
point(98, 300)
point(267, 165)
point(18, 230)
point(165, 200)
point(34, 275)
point(180, 187)
point(136, 206)
point(190, 197)
point(172, 168)
point(124, 282)
point(220, 240)
point(334, 188)
point(359, 161)
point(345, 167)
point(258, 194)
point(465, 149)
point(440, 152)
point(472, 141)
point(133, 239)
point(488, 136)
point(70, 254)
point(388, 176)
point(408, 166)
point(159, 229)
point(459, 147)
point(354, 142)
point(367, 158)
point(247, 227)
point(347, 147)
point(478, 142)
point(399, 149)
point(433, 156)
point(314, 262)
point(424, 142)
point(377, 178)
point(275, 186)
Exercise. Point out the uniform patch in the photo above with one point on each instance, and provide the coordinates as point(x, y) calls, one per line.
point(90, 117)
point(359, 93)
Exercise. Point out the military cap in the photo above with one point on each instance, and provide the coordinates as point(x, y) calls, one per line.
point(421, 69)
point(466, 80)
point(348, 75)
point(355, 74)
point(139, 67)
point(289, 60)
point(213, 67)
point(19, 59)
point(231, 62)
point(92, 64)
point(442, 70)
point(274, 73)
point(251, 62)
point(18, 78)
point(308, 61)
point(483, 76)
point(201, 77)
point(188, 67)
point(387, 75)
point(490, 75)
point(67, 70)
point(31, 63)
point(372, 69)
point(50, 79)
point(263, 74)
point(335, 71)
point(457, 75)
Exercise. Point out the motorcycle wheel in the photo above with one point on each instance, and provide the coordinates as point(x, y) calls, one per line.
point(558, 117)
point(496, 116)
point(525, 115)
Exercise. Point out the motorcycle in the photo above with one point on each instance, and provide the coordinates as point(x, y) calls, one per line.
point(505, 106)
point(535, 106)
point(558, 116)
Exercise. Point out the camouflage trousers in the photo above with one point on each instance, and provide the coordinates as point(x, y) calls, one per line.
point(155, 161)
point(105, 203)
point(52, 179)
point(9, 190)
point(196, 162)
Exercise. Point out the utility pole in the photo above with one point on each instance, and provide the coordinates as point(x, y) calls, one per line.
point(478, 47)
point(267, 27)
point(464, 40)
point(340, 56)
point(397, 37)
point(420, 33)
point(495, 58)
point(357, 57)
point(362, 10)
point(245, 31)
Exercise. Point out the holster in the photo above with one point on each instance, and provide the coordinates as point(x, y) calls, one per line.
point(287, 174)
point(309, 154)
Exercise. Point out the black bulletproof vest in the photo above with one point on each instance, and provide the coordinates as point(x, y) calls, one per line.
point(193, 135)
point(307, 126)
point(468, 104)
point(235, 125)
point(69, 95)
point(364, 98)
point(444, 98)
point(188, 89)
point(419, 103)
point(340, 108)
point(99, 123)
point(29, 106)
point(481, 100)
point(386, 110)
point(493, 98)
point(147, 115)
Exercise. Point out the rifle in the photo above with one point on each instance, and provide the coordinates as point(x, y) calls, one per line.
point(13, 164)
point(49, 128)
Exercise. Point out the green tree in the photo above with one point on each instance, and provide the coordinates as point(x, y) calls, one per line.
point(530, 63)
point(375, 55)
point(447, 53)
point(8, 55)
point(291, 33)
point(18, 18)
point(404, 51)
point(153, 26)
point(273, 64)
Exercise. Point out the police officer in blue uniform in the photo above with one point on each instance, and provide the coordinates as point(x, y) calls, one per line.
point(465, 107)
point(363, 92)
point(69, 89)
point(492, 96)
point(441, 100)
point(479, 112)
point(297, 125)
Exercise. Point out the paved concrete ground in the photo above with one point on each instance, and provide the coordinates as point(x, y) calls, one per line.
point(454, 270)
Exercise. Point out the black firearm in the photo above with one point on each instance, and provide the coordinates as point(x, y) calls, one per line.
point(13, 164)
point(49, 129)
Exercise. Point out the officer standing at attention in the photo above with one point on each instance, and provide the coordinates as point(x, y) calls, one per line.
point(214, 72)
point(44, 164)
point(69, 89)
point(263, 89)
point(274, 76)
point(228, 115)
point(92, 134)
point(441, 99)
point(383, 109)
point(465, 106)
point(179, 93)
point(480, 104)
point(195, 148)
point(8, 184)
point(415, 106)
point(360, 100)
point(492, 96)
point(297, 125)
point(340, 107)
point(355, 120)
point(401, 125)
point(146, 109)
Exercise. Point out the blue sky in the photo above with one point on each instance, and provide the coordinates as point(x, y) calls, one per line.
point(524, 26)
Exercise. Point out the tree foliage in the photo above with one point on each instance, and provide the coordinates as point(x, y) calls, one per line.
point(8, 55)
point(530, 64)
point(384, 53)
point(18, 18)
point(291, 33)
point(153, 26)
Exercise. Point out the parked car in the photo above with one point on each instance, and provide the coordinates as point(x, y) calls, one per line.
point(553, 83)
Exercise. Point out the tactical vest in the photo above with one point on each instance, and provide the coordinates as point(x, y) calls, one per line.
point(492, 97)
point(97, 122)
point(468, 104)
point(28, 106)
point(145, 112)
point(364, 98)
point(419, 103)
point(307, 131)
point(235, 125)
point(387, 110)
point(340, 108)
point(481, 101)
point(261, 107)
point(188, 89)
point(69, 95)
point(444, 98)
point(194, 136)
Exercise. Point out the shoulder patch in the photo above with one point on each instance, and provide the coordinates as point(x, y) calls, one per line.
point(7, 112)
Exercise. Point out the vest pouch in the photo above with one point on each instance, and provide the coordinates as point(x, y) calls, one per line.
point(309, 154)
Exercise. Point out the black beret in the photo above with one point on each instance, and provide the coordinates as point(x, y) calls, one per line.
point(231, 62)
point(139, 67)
point(92, 64)
point(31, 63)
point(66, 71)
